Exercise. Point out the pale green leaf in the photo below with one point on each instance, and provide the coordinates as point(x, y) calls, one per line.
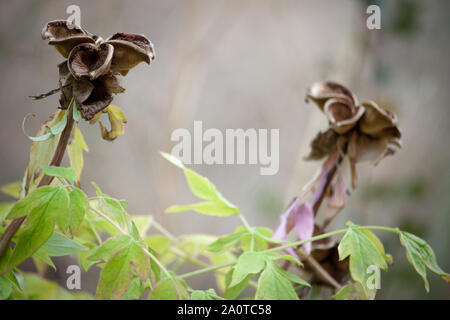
point(421, 256)
point(274, 286)
point(248, 263)
point(39, 225)
point(12, 189)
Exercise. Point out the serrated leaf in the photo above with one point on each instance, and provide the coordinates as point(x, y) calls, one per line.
point(291, 277)
point(248, 263)
point(39, 225)
point(421, 256)
point(201, 187)
point(274, 286)
point(33, 199)
point(110, 247)
point(117, 273)
point(364, 251)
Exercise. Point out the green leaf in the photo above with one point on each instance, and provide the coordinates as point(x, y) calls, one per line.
point(12, 189)
point(248, 263)
point(135, 290)
point(39, 224)
point(41, 259)
point(290, 276)
point(37, 288)
point(226, 241)
point(110, 247)
point(75, 112)
point(169, 289)
point(352, 291)
point(259, 243)
point(365, 250)
point(5, 287)
point(232, 293)
point(75, 150)
point(209, 208)
point(421, 256)
point(201, 187)
point(58, 245)
point(117, 274)
point(41, 153)
point(60, 172)
point(5, 209)
point(159, 243)
point(78, 207)
point(35, 198)
point(288, 258)
point(114, 208)
point(274, 286)
point(203, 294)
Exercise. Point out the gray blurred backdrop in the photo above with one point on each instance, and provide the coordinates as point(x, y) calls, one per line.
point(247, 64)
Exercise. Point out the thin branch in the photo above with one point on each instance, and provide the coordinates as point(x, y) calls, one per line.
point(11, 230)
point(51, 92)
point(319, 270)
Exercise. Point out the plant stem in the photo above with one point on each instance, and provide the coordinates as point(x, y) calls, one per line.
point(206, 270)
point(319, 270)
point(287, 246)
point(6, 237)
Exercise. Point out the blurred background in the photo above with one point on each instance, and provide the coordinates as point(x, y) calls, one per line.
point(247, 64)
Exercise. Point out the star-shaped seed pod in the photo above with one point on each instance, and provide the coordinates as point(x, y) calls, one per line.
point(362, 131)
point(90, 73)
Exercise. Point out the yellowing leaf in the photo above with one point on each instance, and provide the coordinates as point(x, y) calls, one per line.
point(12, 189)
point(75, 150)
point(117, 120)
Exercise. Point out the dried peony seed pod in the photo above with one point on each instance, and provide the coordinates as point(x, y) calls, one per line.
point(363, 132)
point(65, 36)
point(89, 60)
point(320, 92)
point(129, 51)
point(90, 74)
point(342, 114)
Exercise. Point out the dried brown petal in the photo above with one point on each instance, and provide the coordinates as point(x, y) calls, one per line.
point(89, 60)
point(82, 89)
point(376, 119)
point(112, 83)
point(98, 99)
point(342, 114)
point(65, 35)
point(322, 145)
point(93, 96)
point(66, 82)
point(130, 50)
point(320, 92)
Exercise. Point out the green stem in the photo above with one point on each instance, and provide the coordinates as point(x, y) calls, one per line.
point(287, 246)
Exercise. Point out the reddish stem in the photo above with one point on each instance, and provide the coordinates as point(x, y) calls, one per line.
point(5, 238)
